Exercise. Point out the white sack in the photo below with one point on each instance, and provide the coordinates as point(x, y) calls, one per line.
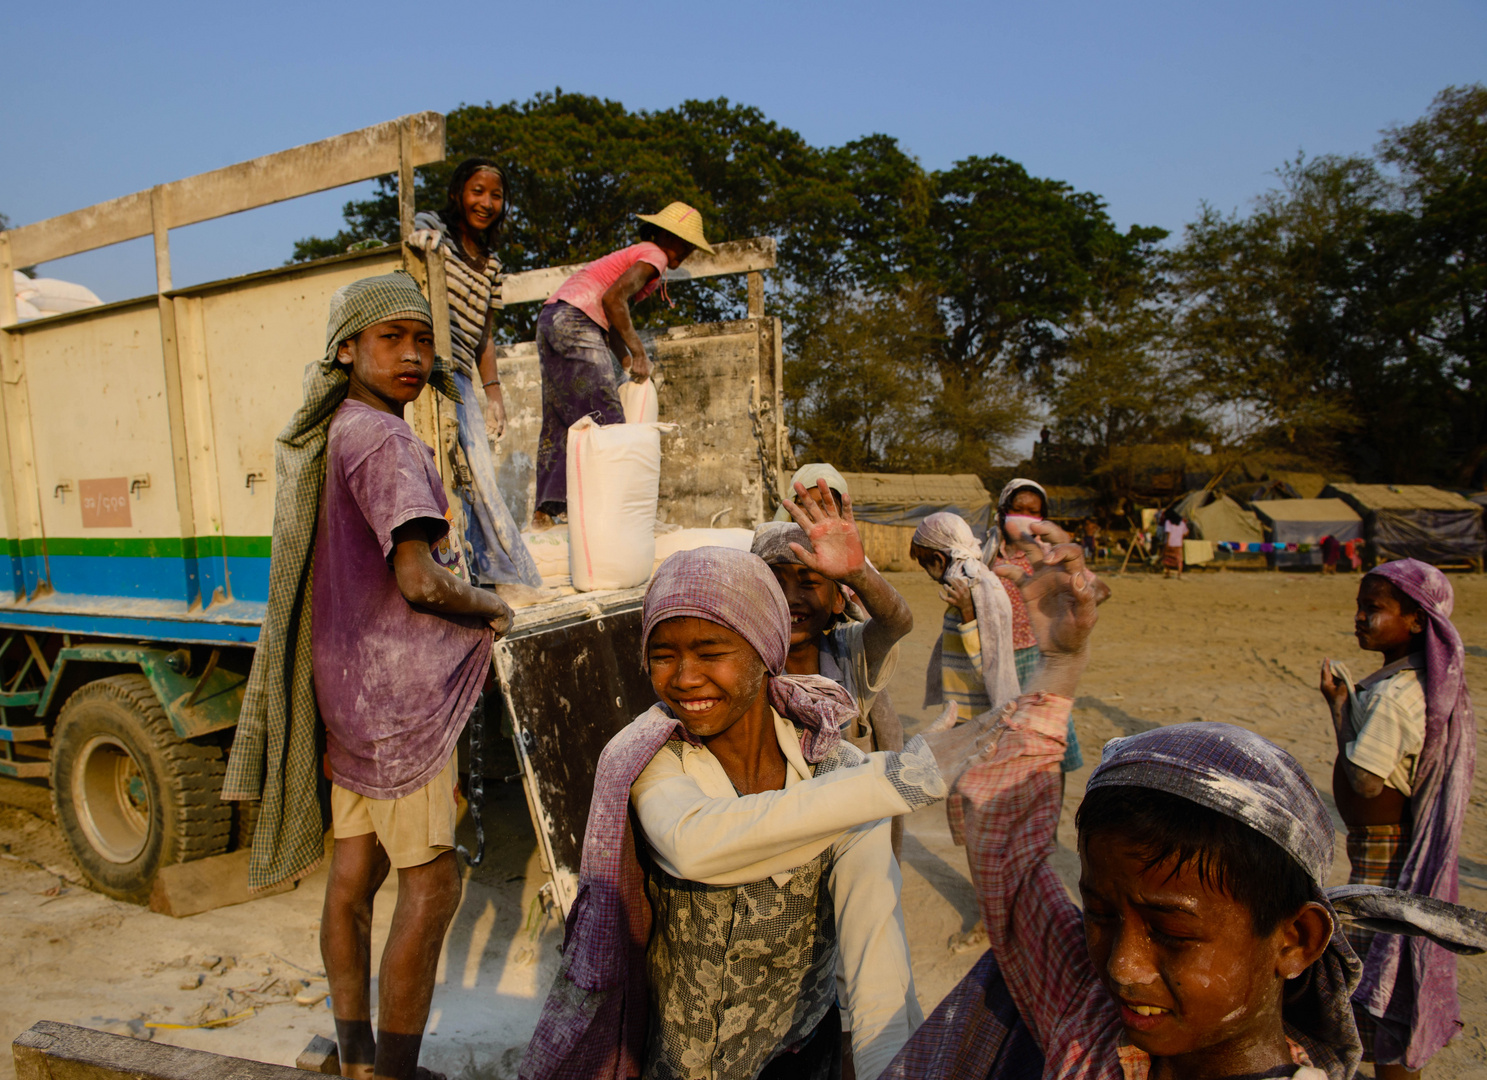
point(54, 296)
point(614, 478)
point(638, 399)
point(669, 544)
point(24, 310)
point(549, 549)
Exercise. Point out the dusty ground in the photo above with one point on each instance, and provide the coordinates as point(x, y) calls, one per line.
point(1238, 647)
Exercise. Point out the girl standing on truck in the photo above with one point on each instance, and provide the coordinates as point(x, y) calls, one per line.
point(584, 326)
point(466, 230)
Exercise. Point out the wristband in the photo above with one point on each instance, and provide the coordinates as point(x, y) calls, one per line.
point(493, 382)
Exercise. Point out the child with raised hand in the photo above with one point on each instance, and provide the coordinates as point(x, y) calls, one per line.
point(1406, 756)
point(1206, 947)
point(401, 645)
point(816, 559)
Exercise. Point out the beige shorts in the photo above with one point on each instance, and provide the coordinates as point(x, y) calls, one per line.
point(413, 830)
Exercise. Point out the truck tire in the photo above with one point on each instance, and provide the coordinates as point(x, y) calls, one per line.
point(130, 794)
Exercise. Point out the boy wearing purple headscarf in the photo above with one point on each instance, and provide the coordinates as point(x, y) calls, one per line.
point(756, 890)
point(1406, 742)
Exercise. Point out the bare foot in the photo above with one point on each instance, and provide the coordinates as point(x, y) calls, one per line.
point(541, 522)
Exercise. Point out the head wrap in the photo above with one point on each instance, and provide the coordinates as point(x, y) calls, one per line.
point(365, 303)
point(806, 476)
point(994, 538)
point(1246, 777)
point(737, 590)
point(950, 534)
point(772, 542)
point(1423, 1010)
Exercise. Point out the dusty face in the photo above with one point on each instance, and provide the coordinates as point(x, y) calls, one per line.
point(1179, 957)
point(390, 362)
point(1380, 624)
point(814, 601)
point(482, 200)
point(932, 562)
point(1028, 503)
point(708, 674)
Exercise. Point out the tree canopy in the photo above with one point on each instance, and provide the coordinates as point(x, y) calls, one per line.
point(932, 317)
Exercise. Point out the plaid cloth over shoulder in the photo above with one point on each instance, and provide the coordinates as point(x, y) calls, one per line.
point(276, 747)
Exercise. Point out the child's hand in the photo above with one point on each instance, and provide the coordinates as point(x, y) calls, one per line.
point(424, 239)
point(1334, 692)
point(833, 534)
point(958, 593)
point(500, 622)
point(495, 411)
point(640, 366)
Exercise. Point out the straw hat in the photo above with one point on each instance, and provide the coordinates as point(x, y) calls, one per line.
point(679, 219)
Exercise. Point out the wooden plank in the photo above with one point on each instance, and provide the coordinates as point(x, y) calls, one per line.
point(52, 1051)
point(734, 257)
point(321, 1056)
point(318, 166)
point(26, 770)
point(190, 888)
point(29, 733)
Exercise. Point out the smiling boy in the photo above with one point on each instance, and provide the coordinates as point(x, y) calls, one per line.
point(401, 646)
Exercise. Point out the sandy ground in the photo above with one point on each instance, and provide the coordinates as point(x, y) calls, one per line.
point(1238, 647)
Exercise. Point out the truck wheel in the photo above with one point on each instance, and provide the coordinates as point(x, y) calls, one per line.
point(130, 794)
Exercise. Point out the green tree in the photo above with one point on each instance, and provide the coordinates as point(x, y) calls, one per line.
point(1435, 248)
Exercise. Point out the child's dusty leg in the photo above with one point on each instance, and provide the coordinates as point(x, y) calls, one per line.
point(358, 866)
point(428, 897)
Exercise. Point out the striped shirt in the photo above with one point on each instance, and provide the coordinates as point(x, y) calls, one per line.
point(960, 673)
point(472, 294)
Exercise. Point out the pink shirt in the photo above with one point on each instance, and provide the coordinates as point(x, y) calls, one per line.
point(585, 290)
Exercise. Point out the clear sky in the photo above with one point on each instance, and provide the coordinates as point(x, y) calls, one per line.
point(1154, 106)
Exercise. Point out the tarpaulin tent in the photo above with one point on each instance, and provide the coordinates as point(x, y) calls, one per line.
point(888, 507)
point(1415, 522)
point(1306, 521)
point(908, 498)
point(1219, 519)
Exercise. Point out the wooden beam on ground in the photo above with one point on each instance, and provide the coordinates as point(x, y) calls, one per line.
point(189, 888)
point(321, 1056)
point(52, 1051)
point(318, 166)
point(734, 257)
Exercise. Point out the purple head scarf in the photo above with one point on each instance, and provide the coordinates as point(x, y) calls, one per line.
point(738, 590)
point(1423, 1008)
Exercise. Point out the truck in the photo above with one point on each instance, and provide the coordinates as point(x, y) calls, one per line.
point(137, 492)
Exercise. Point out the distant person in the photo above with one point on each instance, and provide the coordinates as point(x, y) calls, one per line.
point(1331, 553)
point(466, 231)
point(585, 336)
point(1406, 757)
point(1174, 531)
point(1091, 538)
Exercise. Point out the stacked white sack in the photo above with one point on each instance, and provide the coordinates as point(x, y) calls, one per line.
point(549, 550)
point(614, 480)
point(36, 297)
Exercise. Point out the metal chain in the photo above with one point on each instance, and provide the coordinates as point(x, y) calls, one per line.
point(475, 794)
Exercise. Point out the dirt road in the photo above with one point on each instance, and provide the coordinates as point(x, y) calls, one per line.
point(1238, 647)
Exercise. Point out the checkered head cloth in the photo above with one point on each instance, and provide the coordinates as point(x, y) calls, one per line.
point(365, 303)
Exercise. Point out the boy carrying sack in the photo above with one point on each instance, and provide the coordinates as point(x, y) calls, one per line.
point(1406, 755)
point(399, 648)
